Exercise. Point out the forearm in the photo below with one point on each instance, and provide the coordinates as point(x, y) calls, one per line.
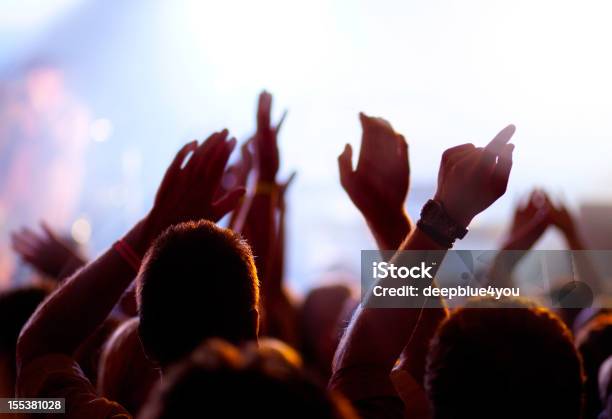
point(277, 264)
point(73, 265)
point(80, 305)
point(587, 271)
point(574, 239)
point(258, 227)
point(512, 251)
point(391, 231)
point(500, 271)
point(377, 336)
point(414, 356)
point(284, 313)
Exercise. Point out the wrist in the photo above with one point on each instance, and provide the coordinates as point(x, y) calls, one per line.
point(573, 239)
point(390, 230)
point(266, 175)
point(140, 236)
point(454, 212)
point(439, 225)
point(263, 187)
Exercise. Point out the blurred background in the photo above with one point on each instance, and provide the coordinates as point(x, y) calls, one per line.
point(96, 97)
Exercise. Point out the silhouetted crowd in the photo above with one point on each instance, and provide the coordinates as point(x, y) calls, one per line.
point(187, 314)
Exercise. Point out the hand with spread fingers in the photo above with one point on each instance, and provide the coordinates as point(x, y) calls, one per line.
point(187, 193)
point(46, 252)
point(189, 188)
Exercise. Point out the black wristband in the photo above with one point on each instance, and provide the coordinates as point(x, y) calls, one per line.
point(435, 236)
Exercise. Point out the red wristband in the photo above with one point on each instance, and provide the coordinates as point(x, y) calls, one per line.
point(128, 254)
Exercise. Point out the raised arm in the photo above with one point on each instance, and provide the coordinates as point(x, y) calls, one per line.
point(469, 181)
point(257, 216)
point(74, 311)
point(277, 268)
point(531, 219)
point(379, 185)
point(259, 224)
point(281, 313)
point(563, 219)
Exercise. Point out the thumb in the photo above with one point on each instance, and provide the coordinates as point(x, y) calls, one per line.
point(345, 166)
point(227, 202)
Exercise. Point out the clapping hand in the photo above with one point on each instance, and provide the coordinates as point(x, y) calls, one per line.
point(530, 221)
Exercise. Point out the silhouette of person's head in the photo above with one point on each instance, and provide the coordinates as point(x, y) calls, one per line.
point(247, 382)
point(197, 281)
point(594, 342)
point(505, 359)
point(16, 307)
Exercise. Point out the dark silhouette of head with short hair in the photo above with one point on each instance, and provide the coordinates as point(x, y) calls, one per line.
point(197, 281)
point(242, 382)
point(16, 307)
point(504, 359)
point(594, 342)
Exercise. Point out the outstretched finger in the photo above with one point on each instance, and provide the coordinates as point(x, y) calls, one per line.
point(207, 150)
point(175, 167)
point(496, 145)
point(21, 246)
point(264, 108)
point(29, 236)
point(281, 122)
point(49, 232)
point(287, 183)
point(179, 159)
point(216, 165)
point(290, 179)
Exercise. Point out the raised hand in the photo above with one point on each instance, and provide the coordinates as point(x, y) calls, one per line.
point(189, 188)
point(471, 179)
point(530, 221)
point(265, 144)
point(46, 252)
point(379, 185)
point(563, 219)
point(259, 224)
point(187, 192)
